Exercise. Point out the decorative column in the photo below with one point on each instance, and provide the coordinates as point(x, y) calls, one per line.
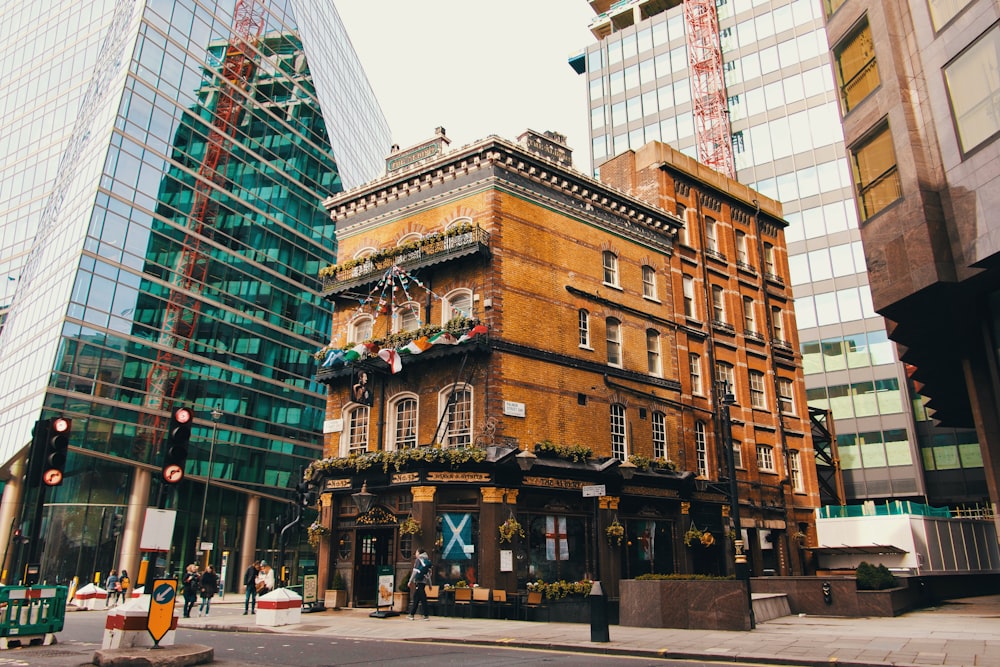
point(611, 563)
point(325, 552)
point(492, 513)
point(424, 512)
point(248, 549)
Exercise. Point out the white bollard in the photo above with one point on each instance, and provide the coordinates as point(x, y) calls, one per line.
point(127, 626)
point(91, 597)
point(279, 607)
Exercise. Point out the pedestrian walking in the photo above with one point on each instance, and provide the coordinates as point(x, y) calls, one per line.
point(123, 585)
point(111, 585)
point(420, 578)
point(250, 582)
point(209, 587)
point(191, 584)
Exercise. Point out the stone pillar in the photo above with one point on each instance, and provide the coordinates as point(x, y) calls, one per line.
point(248, 548)
point(424, 512)
point(325, 559)
point(135, 517)
point(10, 510)
point(611, 556)
point(492, 513)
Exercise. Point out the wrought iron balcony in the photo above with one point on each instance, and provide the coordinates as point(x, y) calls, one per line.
point(431, 249)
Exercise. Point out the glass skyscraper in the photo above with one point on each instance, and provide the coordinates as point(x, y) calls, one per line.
point(161, 225)
point(788, 144)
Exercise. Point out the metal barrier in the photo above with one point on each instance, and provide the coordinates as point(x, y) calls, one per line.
point(32, 611)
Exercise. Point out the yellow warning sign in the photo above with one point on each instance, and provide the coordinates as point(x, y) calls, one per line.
point(161, 608)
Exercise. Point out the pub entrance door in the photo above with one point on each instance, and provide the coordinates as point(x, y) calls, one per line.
point(374, 548)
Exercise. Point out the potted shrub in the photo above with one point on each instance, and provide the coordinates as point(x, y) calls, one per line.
point(336, 595)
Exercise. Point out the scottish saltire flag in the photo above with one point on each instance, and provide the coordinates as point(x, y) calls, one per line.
point(456, 533)
point(333, 357)
point(556, 540)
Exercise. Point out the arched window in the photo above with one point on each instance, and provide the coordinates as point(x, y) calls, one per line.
point(360, 329)
point(701, 449)
point(363, 252)
point(354, 439)
point(619, 446)
point(653, 352)
point(409, 238)
point(455, 405)
point(465, 220)
point(403, 422)
point(584, 328)
point(614, 340)
point(659, 421)
point(406, 317)
point(457, 303)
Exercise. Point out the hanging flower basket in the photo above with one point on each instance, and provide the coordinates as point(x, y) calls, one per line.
point(615, 533)
point(509, 529)
point(316, 532)
point(409, 526)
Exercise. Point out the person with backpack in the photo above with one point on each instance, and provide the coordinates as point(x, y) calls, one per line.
point(420, 578)
point(112, 586)
point(123, 584)
point(191, 583)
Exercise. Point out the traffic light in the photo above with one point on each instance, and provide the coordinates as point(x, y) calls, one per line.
point(175, 454)
point(117, 521)
point(48, 452)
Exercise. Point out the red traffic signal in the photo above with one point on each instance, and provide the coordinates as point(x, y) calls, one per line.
point(54, 447)
point(176, 451)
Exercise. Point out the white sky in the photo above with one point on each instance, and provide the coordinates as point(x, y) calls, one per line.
point(475, 67)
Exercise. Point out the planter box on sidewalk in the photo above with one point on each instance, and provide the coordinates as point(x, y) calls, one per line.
point(692, 605)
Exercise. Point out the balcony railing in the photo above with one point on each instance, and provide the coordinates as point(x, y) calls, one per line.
point(429, 250)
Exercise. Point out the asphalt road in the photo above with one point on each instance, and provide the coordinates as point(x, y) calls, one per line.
point(84, 631)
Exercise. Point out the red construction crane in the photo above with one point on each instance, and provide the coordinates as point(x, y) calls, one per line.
point(180, 317)
point(708, 87)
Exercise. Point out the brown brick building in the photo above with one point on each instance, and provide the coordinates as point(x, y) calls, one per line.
point(556, 343)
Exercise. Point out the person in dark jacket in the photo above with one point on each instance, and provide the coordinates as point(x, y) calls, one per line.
point(191, 583)
point(250, 581)
point(209, 587)
point(420, 578)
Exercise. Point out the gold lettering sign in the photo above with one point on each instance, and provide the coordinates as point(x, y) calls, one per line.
point(405, 477)
point(476, 477)
point(649, 491)
point(338, 483)
point(554, 483)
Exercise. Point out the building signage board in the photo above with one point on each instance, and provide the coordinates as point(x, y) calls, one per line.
point(513, 409)
point(594, 491)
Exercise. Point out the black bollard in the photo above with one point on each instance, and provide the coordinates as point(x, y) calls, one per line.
point(598, 614)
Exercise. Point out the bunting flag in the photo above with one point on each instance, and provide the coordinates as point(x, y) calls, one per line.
point(333, 358)
point(417, 345)
point(391, 357)
point(472, 333)
point(556, 539)
point(442, 338)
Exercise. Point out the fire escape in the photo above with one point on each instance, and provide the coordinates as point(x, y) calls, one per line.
point(180, 318)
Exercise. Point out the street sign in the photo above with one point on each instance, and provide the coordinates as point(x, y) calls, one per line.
point(594, 491)
point(161, 608)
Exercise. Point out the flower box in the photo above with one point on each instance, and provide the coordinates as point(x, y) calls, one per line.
point(688, 604)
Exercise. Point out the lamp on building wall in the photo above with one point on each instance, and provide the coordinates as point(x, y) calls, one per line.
point(627, 469)
point(525, 460)
point(727, 400)
point(362, 499)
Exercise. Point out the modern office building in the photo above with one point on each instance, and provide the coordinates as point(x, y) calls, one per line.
point(164, 167)
point(782, 101)
point(921, 127)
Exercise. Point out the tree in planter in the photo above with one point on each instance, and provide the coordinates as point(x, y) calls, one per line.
point(872, 578)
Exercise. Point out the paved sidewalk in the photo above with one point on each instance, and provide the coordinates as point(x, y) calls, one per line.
point(960, 632)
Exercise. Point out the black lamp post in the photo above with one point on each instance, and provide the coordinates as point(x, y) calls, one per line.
point(741, 565)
